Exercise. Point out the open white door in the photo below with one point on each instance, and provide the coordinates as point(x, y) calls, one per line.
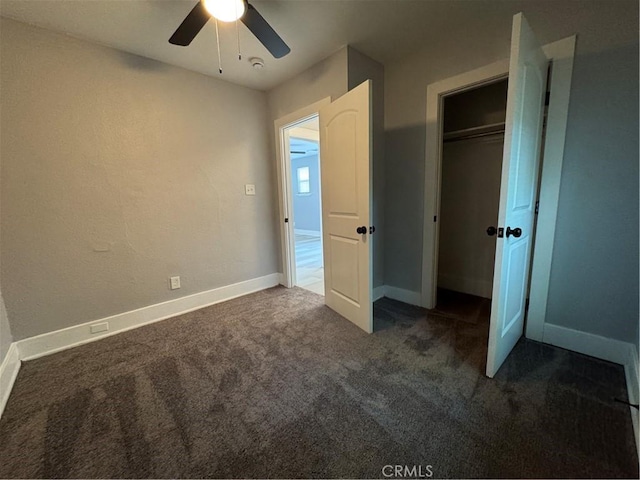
point(345, 159)
point(521, 157)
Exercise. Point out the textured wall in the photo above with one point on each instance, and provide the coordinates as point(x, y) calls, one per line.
point(333, 77)
point(118, 172)
point(327, 78)
point(306, 206)
point(594, 274)
point(5, 329)
point(601, 264)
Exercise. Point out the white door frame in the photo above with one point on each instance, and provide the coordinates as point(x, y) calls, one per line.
point(285, 198)
point(561, 53)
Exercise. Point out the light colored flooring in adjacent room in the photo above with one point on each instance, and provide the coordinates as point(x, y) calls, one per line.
point(309, 269)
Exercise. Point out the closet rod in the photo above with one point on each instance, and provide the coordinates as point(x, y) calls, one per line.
point(474, 132)
point(473, 135)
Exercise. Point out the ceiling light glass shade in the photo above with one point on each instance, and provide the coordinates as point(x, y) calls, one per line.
point(225, 10)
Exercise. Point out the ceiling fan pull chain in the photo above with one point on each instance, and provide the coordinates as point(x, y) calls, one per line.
point(218, 42)
point(238, 32)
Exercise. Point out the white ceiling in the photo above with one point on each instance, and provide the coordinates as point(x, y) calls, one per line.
point(301, 138)
point(301, 148)
point(386, 30)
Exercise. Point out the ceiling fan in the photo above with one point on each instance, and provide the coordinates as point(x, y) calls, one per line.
point(229, 11)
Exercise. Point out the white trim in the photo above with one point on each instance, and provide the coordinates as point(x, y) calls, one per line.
point(308, 233)
point(631, 373)
point(561, 53)
point(604, 348)
point(378, 293)
point(59, 340)
point(283, 172)
point(8, 373)
point(616, 351)
point(402, 295)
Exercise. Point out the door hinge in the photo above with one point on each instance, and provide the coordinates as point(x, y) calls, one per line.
point(435, 218)
point(537, 206)
point(286, 220)
point(526, 305)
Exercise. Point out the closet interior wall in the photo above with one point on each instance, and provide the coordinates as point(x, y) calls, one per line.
point(470, 188)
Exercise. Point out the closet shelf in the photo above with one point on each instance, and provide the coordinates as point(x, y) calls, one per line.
point(473, 132)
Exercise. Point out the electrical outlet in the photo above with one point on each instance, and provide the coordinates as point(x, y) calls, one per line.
point(249, 189)
point(174, 283)
point(100, 327)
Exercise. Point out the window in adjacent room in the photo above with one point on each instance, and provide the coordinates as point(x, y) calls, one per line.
point(303, 181)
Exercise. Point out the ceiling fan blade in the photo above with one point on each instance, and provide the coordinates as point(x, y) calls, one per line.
point(263, 32)
point(190, 26)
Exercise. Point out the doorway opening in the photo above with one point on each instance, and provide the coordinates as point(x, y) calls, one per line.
point(306, 204)
point(471, 164)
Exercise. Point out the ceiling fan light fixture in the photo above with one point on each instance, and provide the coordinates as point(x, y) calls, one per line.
point(225, 10)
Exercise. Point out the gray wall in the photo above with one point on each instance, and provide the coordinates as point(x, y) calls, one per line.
point(362, 68)
point(306, 206)
point(600, 176)
point(5, 331)
point(118, 172)
point(327, 78)
point(594, 275)
point(469, 204)
point(333, 77)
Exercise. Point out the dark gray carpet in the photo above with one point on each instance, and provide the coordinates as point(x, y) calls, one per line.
point(277, 385)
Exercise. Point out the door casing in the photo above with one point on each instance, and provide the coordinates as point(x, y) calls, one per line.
point(285, 199)
point(561, 55)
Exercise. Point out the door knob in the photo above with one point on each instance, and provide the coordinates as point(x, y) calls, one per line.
point(516, 232)
point(361, 230)
point(491, 231)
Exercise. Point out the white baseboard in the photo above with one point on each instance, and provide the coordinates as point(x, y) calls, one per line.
point(56, 341)
point(308, 233)
point(631, 372)
point(402, 295)
point(8, 373)
point(615, 351)
point(378, 293)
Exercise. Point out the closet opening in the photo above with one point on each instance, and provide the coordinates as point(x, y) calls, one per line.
point(472, 151)
point(471, 169)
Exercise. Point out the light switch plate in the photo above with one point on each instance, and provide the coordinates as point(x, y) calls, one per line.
point(249, 189)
